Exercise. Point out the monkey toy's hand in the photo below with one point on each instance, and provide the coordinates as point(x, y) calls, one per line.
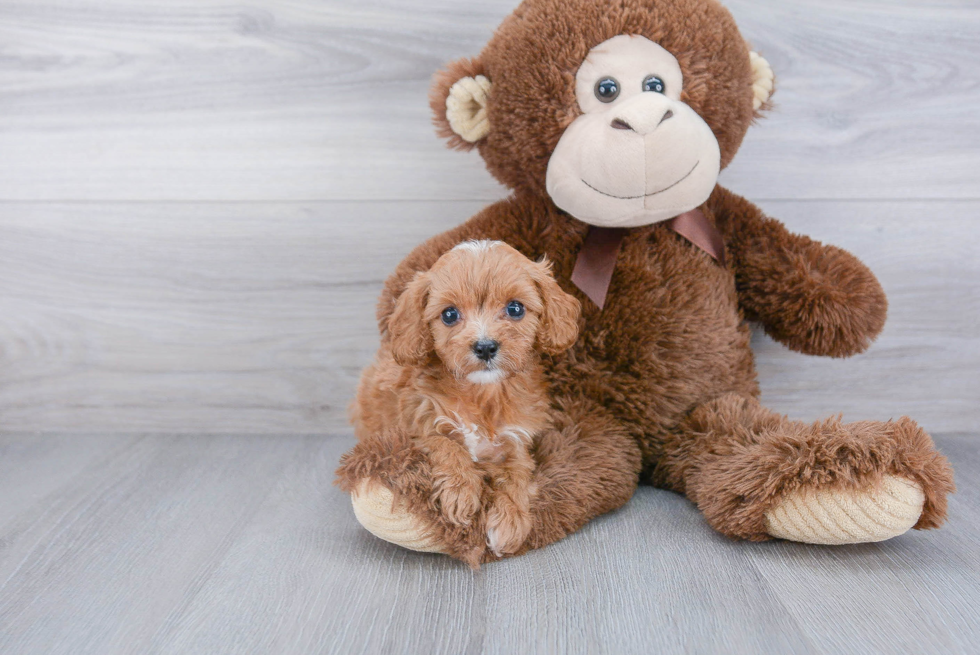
point(815, 299)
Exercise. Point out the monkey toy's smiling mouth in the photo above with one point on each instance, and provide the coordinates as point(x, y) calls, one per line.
point(645, 195)
point(637, 154)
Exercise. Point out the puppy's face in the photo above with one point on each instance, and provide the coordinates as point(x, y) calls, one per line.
point(483, 309)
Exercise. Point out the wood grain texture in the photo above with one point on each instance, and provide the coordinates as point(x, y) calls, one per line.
point(126, 541)
point(239, 544)
point(258, 317)
point(257, 144)
point(326, 99)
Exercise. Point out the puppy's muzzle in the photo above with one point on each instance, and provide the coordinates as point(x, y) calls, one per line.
point(486, 349)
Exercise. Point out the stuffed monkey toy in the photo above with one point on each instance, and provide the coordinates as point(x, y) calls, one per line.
point(610, 121)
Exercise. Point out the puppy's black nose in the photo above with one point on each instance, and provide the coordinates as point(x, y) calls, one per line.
point(486, 349)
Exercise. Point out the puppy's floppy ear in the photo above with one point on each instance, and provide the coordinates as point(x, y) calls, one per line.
point(559, 319)
point(411, 339)
point(459, 103)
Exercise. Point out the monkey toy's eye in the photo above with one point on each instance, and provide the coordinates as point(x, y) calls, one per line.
point(515, 310)
point(606, 89)
point(654, 83)
point(450, 316)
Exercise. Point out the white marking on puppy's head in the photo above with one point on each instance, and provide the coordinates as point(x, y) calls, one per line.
point(486, 377)
point(481, 328)
point(477, 245)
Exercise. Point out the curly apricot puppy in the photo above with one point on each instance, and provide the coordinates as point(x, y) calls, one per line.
point(461, 373)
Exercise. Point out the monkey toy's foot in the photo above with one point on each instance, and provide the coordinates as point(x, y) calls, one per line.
point(756, 475)
point(815, 517)
point(375, 510)
point(390, 482)
point(848, 517)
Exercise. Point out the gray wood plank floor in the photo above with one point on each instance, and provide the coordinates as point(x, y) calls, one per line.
point(199, 201)
point(239, 544)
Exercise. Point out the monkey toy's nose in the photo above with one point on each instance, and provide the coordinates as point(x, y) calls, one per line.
point(486, 349)
point(642, 116)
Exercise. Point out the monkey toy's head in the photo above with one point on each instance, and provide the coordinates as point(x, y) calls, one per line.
point(622, 111)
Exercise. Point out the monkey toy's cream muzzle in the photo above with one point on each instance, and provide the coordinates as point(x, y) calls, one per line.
point(646, 159)
point(637, 154)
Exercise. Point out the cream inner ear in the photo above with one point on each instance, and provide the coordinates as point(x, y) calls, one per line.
point(762, 79)
point(466, 108)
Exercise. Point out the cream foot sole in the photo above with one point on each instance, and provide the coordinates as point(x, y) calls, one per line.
point(373, 509)
point(835, 517)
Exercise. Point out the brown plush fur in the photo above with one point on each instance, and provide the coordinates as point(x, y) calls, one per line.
point(735, 459)
point(661, 385)
point(471, 432)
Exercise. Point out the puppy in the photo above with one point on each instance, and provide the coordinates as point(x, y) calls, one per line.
point(460, 372)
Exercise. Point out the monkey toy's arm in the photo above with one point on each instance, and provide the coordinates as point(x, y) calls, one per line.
point(815, 299)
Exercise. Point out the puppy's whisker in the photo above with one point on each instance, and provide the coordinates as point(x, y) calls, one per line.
point(504, 362)
point(457, 367)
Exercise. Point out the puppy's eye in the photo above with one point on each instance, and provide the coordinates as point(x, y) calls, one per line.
point(655, 84)
point(607, 89)
point(515, 310)
point(450, 316)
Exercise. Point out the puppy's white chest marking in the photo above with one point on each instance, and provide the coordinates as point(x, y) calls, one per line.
point(476, 440)
point(472, 435)
point(520, 435)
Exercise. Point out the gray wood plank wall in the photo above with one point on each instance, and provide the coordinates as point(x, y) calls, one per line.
point(199, 200)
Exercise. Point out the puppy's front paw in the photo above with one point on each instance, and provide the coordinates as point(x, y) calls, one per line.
point(458, 496)
point(507, 528)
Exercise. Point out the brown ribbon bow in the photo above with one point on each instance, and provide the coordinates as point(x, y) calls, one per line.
point(597, 258)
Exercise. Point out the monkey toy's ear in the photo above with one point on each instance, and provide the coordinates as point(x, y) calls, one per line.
point(763, 82)
point(411, 339)
point(459, 103)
